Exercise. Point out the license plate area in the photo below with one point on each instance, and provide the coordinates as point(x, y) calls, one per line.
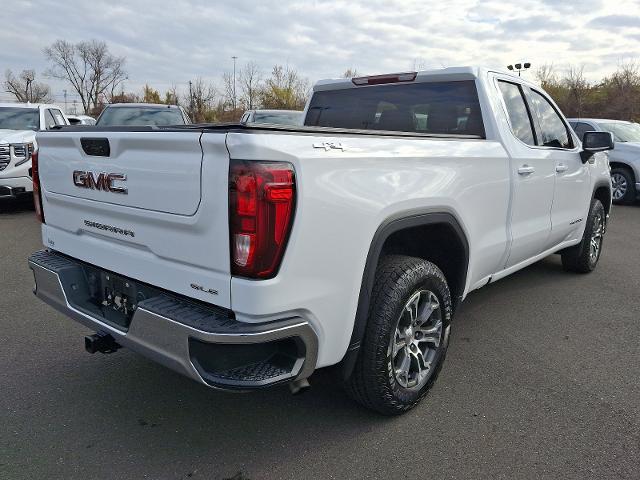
point(108, 297)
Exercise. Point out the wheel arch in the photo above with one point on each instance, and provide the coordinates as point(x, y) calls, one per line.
point(626, 166)
point(602, 191)
point(388, 239)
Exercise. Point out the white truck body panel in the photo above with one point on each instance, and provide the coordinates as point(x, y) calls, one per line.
point(180, 214)
point(180, 237)
point(377, 179)
point(164, 179)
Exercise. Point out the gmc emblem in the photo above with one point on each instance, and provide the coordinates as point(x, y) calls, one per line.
point(104, 182)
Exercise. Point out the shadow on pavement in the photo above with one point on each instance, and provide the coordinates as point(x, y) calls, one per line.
point(12, 206)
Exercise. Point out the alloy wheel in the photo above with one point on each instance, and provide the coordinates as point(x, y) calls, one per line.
point(619, 185)
point(597, 235)
point(416, 340)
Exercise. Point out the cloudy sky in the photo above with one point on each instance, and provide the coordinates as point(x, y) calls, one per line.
point(169, 42)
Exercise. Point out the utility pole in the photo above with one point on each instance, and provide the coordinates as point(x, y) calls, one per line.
point(234, 81)
point(65, 100)
point(190, 101)
point(29, 78)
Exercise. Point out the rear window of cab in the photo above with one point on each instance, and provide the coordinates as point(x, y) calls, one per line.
point(447, 108)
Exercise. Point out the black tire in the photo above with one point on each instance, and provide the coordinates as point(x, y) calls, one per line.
point(373, 382)
point(623, 181)
point(580, 258)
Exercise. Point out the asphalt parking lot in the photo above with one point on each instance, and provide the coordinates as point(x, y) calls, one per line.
point(542, 380)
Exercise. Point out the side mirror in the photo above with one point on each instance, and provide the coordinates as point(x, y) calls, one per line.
point(593, 142)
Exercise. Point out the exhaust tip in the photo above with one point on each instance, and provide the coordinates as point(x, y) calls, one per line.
point(100, 342)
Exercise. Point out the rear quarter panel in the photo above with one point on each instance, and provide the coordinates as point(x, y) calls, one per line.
point(344, 196)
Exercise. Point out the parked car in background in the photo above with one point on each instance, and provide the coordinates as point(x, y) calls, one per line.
point(81, 120)
point(141, 114)
point(624, 158)
point(19, 123)
point(277, 117)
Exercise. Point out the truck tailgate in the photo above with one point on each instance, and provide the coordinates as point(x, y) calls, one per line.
point(163, 171)
point(170, 227)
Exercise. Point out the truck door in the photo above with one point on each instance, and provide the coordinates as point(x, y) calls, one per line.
point(572, 194)
point(533, 176)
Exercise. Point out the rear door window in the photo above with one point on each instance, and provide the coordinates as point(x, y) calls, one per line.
point(449, 108)
point(517, 111)
point(58, 117)
point(49, 120)
point(554, 131)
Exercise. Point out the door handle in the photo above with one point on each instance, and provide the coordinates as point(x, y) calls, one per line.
point(526, 170)
point(561, 168)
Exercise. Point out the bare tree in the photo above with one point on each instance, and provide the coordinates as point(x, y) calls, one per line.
point(150, 95)
point(350, 73)
point(548, 79)
point(577, 89)
point(616, 96)
point(25, 87)
point(250, 79)
point(201, 101)
point(227, 89)
point(622, 89)
point(546, 75)
point(284, 89)
point(122, 97)
point(171, 96)
point(92, 70)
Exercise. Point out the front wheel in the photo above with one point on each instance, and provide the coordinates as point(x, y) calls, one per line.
point(584, 257)
point(406, 337)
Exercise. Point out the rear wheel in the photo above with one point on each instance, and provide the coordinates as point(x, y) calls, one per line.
point(623, 185)
point(406, 337)
point(584, 257)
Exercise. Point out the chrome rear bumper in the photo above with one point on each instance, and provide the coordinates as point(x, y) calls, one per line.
point(185, 336)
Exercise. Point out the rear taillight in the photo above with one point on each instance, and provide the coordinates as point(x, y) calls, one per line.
point(261, 204)
point(37, 197)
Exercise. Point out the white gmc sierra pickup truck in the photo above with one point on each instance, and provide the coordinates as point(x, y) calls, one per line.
point(251, 255)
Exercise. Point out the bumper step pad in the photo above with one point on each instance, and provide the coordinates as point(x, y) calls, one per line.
point(201, 341)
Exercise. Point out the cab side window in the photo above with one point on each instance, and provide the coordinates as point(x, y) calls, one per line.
point(554, 131)
point(49, 121)
point(517, 110)
point(58, 117)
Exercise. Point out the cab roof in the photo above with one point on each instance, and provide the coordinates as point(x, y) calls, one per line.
point(597, 120)
point(439, 74)
point(28, 105)
point(141, 105)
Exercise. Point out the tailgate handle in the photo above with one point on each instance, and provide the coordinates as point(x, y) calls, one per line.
point(96, 147)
